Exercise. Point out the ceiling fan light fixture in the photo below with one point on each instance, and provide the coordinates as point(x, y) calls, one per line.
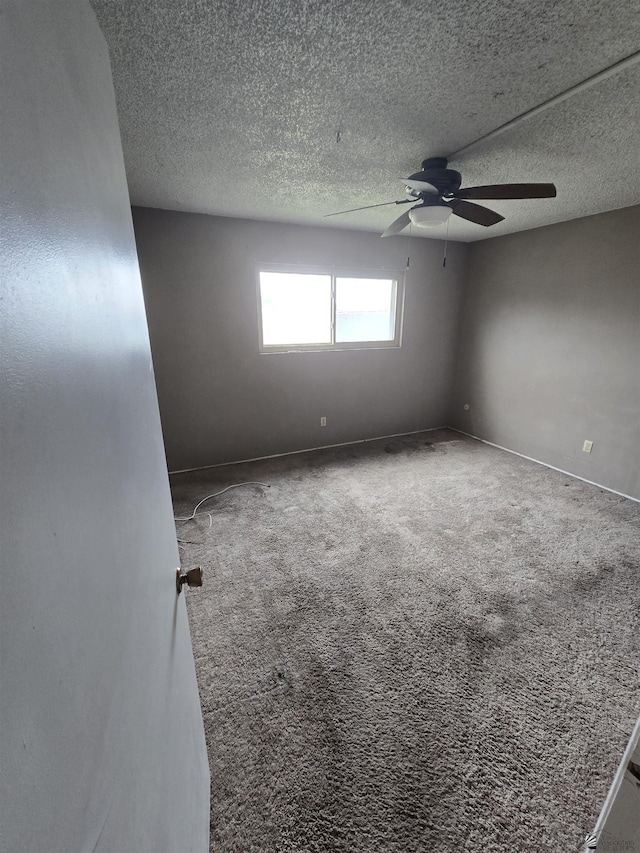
point(429, 216)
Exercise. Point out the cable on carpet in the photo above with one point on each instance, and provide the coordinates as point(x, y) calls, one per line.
point(215, 495)
point(182, 543)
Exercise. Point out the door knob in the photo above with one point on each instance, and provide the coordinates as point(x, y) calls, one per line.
point(192, 578)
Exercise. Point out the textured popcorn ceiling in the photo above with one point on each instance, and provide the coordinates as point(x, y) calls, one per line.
point(236, 108)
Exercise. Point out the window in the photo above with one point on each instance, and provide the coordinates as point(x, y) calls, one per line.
point(328, 310)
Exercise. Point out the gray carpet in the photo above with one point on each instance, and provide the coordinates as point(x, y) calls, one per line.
point(418, 644)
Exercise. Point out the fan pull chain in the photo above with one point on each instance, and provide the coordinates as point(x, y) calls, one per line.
point(446, 240)
point(410, 236)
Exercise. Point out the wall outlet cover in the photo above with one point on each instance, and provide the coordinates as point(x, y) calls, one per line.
point(587, 446)
point(323, 421)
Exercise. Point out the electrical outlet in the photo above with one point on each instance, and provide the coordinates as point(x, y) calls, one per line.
point(323, 421)
point(587, 446)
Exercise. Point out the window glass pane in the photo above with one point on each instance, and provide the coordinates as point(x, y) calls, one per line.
point(296, 308)
point(364, 309)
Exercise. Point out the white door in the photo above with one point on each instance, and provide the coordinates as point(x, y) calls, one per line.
point(101, 739)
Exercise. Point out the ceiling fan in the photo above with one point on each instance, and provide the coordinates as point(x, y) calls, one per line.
point(437, 194)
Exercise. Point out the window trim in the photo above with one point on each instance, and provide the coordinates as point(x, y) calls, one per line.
point(394, 275)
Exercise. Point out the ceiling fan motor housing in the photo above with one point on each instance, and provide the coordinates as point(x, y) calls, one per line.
point(435, 172)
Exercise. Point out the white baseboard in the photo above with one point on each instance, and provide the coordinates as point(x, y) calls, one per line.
point(400, 435)
point(546, 465)
point(308, 449)
point(610, 833)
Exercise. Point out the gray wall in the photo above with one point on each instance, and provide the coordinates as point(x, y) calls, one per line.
point(549, 350)
point(101, 738)
point(221, 400)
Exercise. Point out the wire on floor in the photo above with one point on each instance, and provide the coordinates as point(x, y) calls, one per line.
point(215, 495)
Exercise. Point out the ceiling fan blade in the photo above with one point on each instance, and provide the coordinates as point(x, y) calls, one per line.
point(367, 206)
point(474, 212)
point(397, 225)
point(500, 191)
point(419, 186)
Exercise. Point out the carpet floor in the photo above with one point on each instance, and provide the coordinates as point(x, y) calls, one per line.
point(414, 644)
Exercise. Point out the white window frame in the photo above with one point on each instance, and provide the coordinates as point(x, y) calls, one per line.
point(395, 276)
